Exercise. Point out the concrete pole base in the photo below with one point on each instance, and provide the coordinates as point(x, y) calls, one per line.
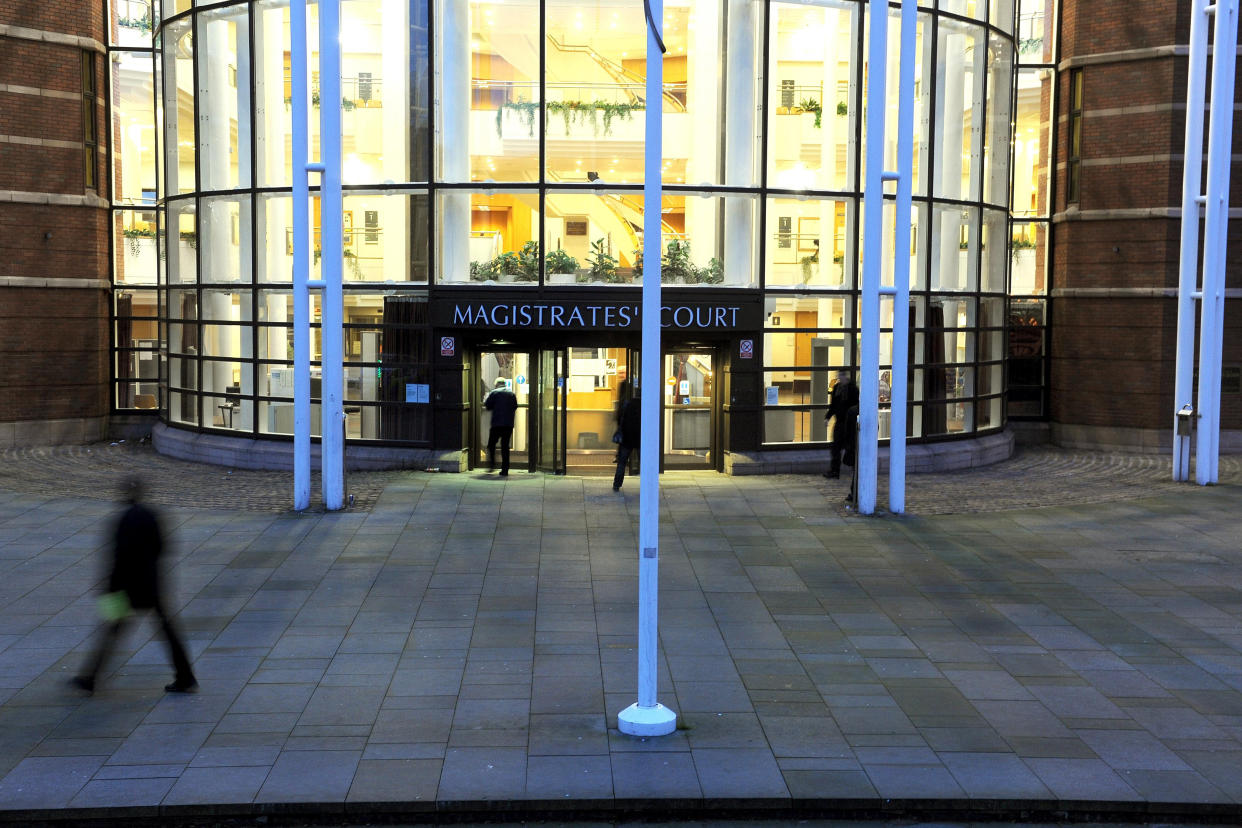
point(647, 721)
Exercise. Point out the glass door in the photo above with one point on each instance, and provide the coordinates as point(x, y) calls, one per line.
point(689, 421)
point(551, 402)
point(512, 369)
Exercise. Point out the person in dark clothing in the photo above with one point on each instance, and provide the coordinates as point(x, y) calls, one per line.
point(503, 404)
point(629, 426)
point(137, 546)
point(843, 408)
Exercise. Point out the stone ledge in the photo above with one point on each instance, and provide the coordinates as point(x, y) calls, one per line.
point(252, 453)
point(67, 432)
point(1142, 440)
point(921, 458)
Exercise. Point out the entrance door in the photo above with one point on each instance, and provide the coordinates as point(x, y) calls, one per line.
point(513, 367)
point(689, 421)
point(596, 380)
point(551, 402)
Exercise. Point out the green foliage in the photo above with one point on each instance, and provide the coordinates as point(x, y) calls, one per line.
point(842, 108)
point(638, 264)
point(133, 234)
point(1022, 243)
point(528, 262)
point(675, 265)
point(482, 271)
point(142, 24)
point(812, 105)
point(582, 112)
point(558, 261)
point(713, 274)
point(603, 266)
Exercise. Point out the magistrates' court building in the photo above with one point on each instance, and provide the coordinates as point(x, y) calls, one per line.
point(493, 214)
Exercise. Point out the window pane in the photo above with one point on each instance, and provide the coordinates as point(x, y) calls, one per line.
point(178, 108)
point(132, 22)
point(181, 242)
point(997, 141)
point(811, 115)
point(1029, 258)
point(954, 248)
point(1032, 141)
point(959, 110)
point(223, 47)
point(133, 128)
point(809, 242)
point(489, 238)
point(226, 239)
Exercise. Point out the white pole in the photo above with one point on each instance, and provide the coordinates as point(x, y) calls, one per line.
point(1188, 268)
point(867, 454)
point(898, 390)
point(648, 717)
point(332, 413)
point(1212, 309)
point(301, 258)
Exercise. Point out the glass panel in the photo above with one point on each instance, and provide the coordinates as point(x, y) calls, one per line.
point(1035, 31)
point(488, 90)
point(172, 7)
point(133, 128)
point(594, 380)
point(489, 237)
point(687, 411)
point(512, 371)
point(224, 98)
point(181, 242)
point(136, 257)
point(386, 237)
point(999, 109)
point(273, 92)
point(1032, 141)
point(382, 128)
point(809, 242)
point(277, 418)
point(1000, 13)
point(178, 107)
point(225, 238)
point(967, 8)
point(954, 248)
point(995, 234)
point(811, 115)
point(133, 22)
point(551, 404)
point(959, 110)
point(1029, 258)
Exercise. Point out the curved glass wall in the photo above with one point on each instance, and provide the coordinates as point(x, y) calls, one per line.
point(503, 142)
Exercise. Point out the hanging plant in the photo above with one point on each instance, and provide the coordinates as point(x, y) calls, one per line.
point(523, 106)
point(133, 234)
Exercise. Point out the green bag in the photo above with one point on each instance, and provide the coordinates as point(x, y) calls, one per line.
point(114, 606)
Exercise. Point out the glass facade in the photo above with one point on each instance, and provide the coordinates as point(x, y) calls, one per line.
point(490, 143)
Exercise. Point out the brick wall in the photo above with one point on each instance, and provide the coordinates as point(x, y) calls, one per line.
point(1113, 356)
point(54, 342)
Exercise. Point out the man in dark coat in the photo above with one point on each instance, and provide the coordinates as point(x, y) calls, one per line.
point(843, 408)
point(503, 404)
point(629, 426)
point(137, 546)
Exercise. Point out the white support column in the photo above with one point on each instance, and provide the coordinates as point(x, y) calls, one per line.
point(1188, 268)
point(1216, 231)
point(867, 452)
point(454, 140)
point(394, 93)
point(898, 387)
point(300, 71)
point(647, 717)
point(331, 231)
point(739, 140)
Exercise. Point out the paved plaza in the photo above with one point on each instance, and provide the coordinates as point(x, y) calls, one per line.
point(1058, 634)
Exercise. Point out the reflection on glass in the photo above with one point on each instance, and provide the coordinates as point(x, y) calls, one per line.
point(809, 242)
point(178, 107)
point(959, 110)
point(223, 46)
point(133, 22)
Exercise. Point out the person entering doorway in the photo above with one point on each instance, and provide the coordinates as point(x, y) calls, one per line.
point(503, 404)
point(628, 435)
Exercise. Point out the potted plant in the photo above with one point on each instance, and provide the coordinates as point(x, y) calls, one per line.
point(483, 271)
point(812, 105)
point(560, 265)
point(602, 266)
point(636, 272)
point(713, 274)
point(528, 262)
point(676, 265)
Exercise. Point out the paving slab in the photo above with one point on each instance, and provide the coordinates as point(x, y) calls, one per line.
point(1060, 633)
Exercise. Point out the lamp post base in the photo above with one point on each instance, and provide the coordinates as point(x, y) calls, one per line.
point(647, 721)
